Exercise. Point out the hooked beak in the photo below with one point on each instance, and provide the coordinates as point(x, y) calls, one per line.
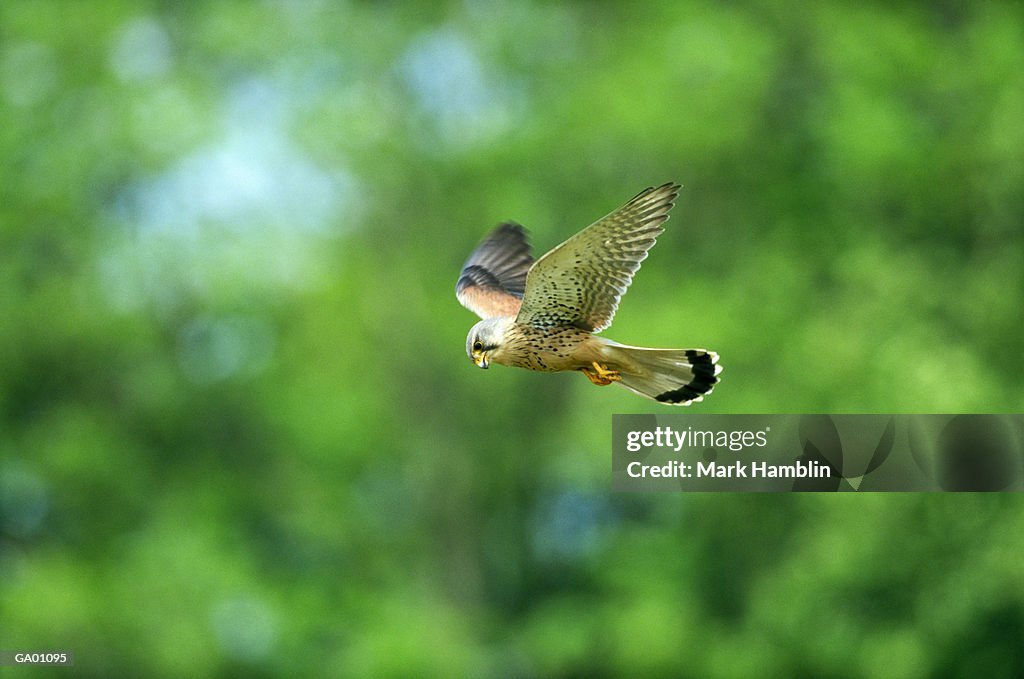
point(481, 361)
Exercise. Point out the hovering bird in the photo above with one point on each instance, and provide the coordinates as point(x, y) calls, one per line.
point(544, 314)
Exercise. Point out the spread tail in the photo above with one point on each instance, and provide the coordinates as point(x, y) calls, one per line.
point(672, 376)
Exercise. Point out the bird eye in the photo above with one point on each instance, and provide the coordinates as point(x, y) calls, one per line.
point(478, 346)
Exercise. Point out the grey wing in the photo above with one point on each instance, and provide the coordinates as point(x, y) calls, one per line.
point(581, 281)
point(493, 278)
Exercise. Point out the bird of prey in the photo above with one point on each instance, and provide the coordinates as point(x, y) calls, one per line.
point(544, 314)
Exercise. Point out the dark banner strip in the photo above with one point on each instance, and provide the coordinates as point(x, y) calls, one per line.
point(825, 453)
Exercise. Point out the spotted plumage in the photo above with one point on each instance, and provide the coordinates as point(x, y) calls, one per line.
point(543, 315)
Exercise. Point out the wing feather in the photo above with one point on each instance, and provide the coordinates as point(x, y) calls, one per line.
point(493, 278)
point(581, 281)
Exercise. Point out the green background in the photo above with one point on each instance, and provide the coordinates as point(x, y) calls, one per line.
point(239, 435)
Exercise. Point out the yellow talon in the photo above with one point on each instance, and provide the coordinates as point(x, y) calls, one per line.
point(600, 375)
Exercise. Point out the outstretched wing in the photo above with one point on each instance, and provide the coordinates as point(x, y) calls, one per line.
point(581, 281)
point(494, 276)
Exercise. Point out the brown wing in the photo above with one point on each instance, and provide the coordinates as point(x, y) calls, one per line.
point(494, 276)
point(581, 281)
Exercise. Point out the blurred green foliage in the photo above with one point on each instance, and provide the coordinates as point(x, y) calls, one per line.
point(238, 431)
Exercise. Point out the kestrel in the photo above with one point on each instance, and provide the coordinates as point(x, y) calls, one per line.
point(544, 315)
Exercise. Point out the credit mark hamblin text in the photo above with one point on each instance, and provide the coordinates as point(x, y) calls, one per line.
point(739, 470)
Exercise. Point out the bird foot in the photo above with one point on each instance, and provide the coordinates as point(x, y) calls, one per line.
point(601, 375)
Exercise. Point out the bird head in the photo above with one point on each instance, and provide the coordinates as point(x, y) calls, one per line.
point(485, 340)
